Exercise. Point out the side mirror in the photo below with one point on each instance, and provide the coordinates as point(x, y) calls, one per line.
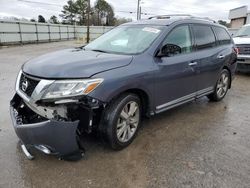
point(169, 50)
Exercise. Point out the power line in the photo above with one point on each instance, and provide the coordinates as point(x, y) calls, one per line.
point(52, 4)
point(41, 3)
point(161, 9)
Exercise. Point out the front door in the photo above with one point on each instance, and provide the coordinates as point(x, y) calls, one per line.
point(176, 81)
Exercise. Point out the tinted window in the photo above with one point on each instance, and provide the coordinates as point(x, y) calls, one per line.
point(180, 37)
point(204, 37)
point(222, 35)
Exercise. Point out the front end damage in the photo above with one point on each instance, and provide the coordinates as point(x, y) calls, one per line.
point(54, 126)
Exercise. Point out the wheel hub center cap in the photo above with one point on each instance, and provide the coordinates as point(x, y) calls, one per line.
point(128, 121)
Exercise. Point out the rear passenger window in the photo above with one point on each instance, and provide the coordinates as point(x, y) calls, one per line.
point(222, 35)
point(180, 37)
point(204, 37)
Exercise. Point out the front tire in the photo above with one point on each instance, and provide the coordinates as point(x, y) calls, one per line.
point(121, 120)
point(221, 87)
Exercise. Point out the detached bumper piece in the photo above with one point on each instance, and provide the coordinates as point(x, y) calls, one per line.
point(26, 152)
point(49, 136)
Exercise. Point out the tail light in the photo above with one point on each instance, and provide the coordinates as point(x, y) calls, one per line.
point(237, 50)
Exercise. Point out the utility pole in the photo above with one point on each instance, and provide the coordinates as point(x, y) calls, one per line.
point(138, 9)
point(88, 21)
point(140, 13)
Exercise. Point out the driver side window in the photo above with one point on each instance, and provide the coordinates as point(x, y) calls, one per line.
point(180, 39)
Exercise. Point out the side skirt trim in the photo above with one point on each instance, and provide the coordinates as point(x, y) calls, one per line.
point(183, 100)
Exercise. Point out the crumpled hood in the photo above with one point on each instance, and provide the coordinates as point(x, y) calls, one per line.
point(241, 40)
point(74, 63)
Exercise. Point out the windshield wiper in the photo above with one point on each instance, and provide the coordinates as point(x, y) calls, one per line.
point(241, 35)
point(96, 50)
point(82, 47)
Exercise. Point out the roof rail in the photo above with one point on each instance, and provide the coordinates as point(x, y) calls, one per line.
point(203, 18)
point(169, 16)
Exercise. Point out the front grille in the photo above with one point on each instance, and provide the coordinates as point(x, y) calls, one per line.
point(244, 49)
point(27, 84)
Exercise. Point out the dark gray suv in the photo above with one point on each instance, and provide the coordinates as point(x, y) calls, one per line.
point(135, 70)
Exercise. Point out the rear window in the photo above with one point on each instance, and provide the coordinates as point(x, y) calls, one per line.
point(204, 37)
point(222, 35)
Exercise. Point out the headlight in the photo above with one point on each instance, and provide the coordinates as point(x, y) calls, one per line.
point(70, 88)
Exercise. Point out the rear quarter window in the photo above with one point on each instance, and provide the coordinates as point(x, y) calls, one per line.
point(204, 37)
point(222, 36)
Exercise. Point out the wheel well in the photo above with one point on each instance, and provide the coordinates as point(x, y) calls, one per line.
point(230, 74)
point(143, 97)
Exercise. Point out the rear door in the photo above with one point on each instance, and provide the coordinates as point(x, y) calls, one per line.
point(225, 46)
point(210, 58)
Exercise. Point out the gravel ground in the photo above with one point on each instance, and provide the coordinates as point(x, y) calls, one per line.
point(200, 144)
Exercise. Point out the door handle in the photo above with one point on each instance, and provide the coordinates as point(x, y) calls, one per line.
point(221, 57)
point(193, 63)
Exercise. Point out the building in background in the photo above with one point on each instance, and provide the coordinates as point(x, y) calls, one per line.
point(239, 17)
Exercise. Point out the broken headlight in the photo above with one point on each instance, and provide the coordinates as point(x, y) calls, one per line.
point(70, 88)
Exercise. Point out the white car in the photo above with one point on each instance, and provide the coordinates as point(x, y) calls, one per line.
point(242, 41)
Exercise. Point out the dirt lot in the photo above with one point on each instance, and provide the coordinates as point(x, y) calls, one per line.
point(200, 144)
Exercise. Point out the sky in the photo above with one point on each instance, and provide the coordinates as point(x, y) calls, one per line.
point(215, 9)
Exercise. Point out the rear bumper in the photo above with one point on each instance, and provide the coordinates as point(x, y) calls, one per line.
point(59, 137)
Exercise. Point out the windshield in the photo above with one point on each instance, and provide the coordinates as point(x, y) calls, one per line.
point(244, 31)
point(126, 39)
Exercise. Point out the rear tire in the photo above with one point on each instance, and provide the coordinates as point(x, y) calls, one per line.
point(121, 120)
point(221, 87)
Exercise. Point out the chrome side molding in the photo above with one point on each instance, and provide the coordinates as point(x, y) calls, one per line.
point(184, 99)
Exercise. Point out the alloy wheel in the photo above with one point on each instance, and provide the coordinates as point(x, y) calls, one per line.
point(128, 121)
point(222, 85)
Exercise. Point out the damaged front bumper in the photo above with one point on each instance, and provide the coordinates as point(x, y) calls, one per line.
point(58, 135)
point(49, 136)
point(52, 126)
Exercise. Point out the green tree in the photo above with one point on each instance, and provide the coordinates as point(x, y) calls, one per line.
point(81, 11)
point(53, 19)
point(222, 22)
point(104, 11)
point(110, 16)
point(75, 11)
point(69, 12)
point(33, 20)
point(41, 19)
